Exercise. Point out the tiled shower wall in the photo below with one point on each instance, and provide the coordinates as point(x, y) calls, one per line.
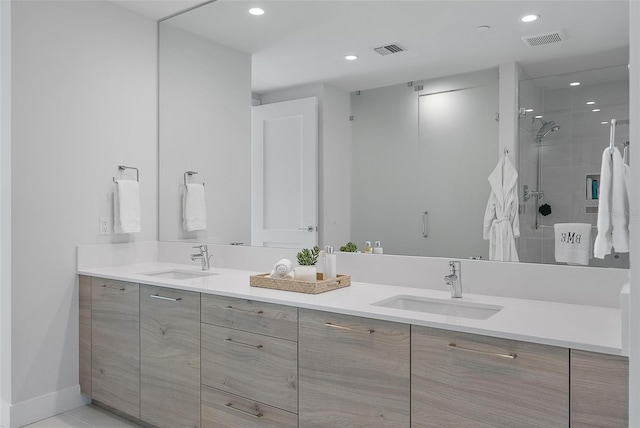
point(568, 156)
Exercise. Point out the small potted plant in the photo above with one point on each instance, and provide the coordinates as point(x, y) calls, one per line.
point(307, 259)
point(349, 247)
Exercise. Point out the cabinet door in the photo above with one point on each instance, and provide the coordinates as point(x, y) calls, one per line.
point(353, 372)
point(599, 390)
point(115, 348)
point(469, 381)
point(170, 357)
point(84, 294)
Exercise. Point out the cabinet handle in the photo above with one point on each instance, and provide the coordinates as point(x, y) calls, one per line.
point(244, 412)
point(328, 324)
point(510, 356)
point(244, 310)
point(235, 342)
point(424, 224)
point(173, 299)
point(113, 288)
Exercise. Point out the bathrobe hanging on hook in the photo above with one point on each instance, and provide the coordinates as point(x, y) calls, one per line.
point(501, 223)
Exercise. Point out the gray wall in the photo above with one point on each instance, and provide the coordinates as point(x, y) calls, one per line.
point(84, 100)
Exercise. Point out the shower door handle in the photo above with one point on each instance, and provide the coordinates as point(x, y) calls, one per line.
point(424, 224)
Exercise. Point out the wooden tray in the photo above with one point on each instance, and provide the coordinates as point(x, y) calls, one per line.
point(319, 286)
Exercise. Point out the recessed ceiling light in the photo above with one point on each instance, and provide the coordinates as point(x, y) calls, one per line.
point(351, 57)
point(529, 18)
point(483, 28)
point(595, 110)
point(256, 11)
point(590, 103)
point(604, 122)
point(528, 110)
point(538, 116)
point(574, 84)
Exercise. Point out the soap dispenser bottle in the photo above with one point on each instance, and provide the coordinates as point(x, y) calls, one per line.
point(378, 248)
point(367, 247)
point(330, 268)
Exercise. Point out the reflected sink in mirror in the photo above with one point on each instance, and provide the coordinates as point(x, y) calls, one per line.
point(462, 309)
point(178, 274)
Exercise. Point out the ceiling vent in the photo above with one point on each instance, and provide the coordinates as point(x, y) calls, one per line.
point(388, 49)
point(545, 38)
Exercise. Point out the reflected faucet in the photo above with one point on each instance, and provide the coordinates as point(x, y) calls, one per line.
point(203, 256)
point(454, 279)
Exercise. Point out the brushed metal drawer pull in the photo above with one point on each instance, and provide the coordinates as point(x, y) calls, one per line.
point(113, 288)
point(244, 412)
point(244, 310)
point(510, 356)
point(173, 299)
point(328, 324)
point(235, 342)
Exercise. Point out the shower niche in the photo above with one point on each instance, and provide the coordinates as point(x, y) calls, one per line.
point(563, 165)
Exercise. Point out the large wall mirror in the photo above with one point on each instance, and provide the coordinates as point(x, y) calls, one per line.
point(402, 138)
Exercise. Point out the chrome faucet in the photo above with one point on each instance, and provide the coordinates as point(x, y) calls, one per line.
point(454, 279)
point(203, 256)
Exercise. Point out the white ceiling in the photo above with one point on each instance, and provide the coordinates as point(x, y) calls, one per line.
point(302, 41)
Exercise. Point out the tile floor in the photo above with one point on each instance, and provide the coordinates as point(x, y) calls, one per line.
point(84, 417)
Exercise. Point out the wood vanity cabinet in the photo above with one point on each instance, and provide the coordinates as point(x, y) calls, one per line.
point(169, 357)
point(353, 372)
point(249, 364)
point(115, 345)
point(599, 390)
point(466, 380)
point(84, 333)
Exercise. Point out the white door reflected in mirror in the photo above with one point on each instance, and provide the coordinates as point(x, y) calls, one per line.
point(284, 177)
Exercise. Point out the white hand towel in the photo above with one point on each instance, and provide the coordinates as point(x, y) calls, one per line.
point(573, 243)
point(126, 207)
point(194, 209)
point(282, 269)
point(620, 204)
point(604, 239)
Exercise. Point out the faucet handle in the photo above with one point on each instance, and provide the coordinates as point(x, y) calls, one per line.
point(201, 247)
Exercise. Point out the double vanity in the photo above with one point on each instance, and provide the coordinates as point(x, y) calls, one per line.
point(174, 346)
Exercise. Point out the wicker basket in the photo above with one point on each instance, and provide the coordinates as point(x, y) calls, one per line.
point(319, 286)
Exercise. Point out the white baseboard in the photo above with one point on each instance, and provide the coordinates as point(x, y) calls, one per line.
point(45, 406)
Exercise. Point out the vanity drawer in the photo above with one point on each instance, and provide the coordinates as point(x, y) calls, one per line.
point(255, 366)
point(467, 380)
point(248, 315)
point(222, 410)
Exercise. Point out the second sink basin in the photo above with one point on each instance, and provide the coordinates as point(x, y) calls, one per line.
point(455, 308)
point(179, 274)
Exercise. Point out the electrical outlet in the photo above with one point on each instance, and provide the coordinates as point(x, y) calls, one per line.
point(105, 226)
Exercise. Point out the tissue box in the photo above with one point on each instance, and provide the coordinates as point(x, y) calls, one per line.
point(321, 285)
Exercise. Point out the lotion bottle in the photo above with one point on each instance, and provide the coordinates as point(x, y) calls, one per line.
point(330, 269)
point(378, 248)
point(367, 247)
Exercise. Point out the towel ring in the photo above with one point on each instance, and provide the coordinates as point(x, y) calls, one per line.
point(190, 173)
point(124, 167)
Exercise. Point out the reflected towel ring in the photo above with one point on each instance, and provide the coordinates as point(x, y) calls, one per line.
point(190, 173)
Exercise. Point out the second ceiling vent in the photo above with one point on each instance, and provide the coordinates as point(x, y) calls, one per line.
point(545, 38)
point(389, 49)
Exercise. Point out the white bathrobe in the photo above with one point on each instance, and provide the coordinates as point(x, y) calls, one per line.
point(501, 222)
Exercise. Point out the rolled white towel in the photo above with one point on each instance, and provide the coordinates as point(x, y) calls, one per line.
point(282, 269)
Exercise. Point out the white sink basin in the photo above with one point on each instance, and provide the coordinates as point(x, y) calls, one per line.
point(179, 274)
point(454, 308)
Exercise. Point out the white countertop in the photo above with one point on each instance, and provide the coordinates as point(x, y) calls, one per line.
point(588, 328)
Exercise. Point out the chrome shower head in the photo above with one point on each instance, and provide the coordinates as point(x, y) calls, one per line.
point(546, 129)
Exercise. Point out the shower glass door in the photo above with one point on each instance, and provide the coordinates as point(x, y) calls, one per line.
point(458, 149)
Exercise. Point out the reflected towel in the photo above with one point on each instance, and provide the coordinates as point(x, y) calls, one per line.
point(194, 209)
point(126, 207)
point(282, 269)
point(573, 243)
